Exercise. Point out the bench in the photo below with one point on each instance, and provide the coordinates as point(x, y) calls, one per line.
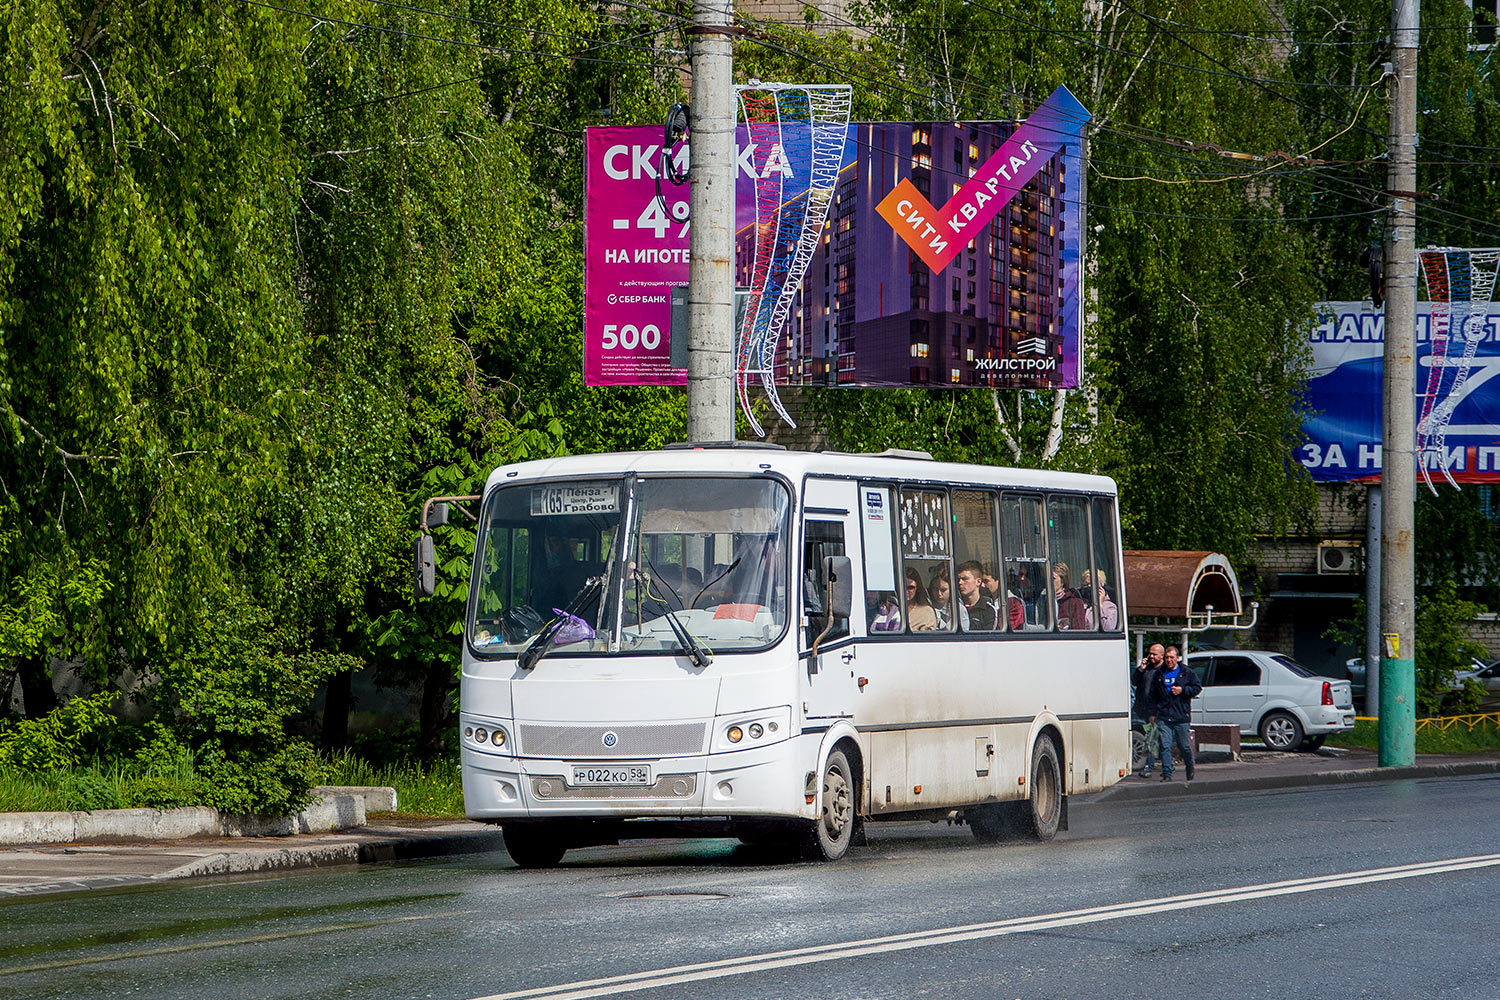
point(1217, 736)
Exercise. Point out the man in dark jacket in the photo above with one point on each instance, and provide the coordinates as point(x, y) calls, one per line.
point(1174, 689)
point(1143, 697)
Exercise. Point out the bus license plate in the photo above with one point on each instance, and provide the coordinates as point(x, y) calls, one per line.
point(614, 774)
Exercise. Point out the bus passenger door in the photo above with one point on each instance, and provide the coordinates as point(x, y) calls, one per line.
point(828, 529)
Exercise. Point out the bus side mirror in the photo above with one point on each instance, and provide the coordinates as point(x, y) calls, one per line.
point(425, 579)
point(437, 515)
point(839, 572)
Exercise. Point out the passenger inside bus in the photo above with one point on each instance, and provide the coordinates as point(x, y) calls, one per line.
point(1072, 612)
point(1019, 582)
point(941, 593)
point(975, 613)
point(920, 616)
point(885, 616)
point(1093, 591)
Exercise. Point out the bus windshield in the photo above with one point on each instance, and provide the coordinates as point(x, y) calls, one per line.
point(704, 555)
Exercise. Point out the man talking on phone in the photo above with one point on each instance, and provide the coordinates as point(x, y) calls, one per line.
point(1142, 681)
point(1176, 686)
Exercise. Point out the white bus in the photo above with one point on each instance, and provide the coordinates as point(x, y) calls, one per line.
point(782, 646)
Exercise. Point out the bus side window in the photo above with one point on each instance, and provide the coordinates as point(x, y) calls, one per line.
point(974, 542)
point(1068, 523)
point(1106, 578)
point(1023, 544)
point(820, 539)
point(925, 552)
point(878, 520)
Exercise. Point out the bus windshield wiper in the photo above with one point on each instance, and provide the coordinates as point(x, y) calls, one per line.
point(538, 647)
point(727, 570)
point(692, 647)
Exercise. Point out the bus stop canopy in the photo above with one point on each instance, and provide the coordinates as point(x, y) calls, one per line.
point(1196, 589)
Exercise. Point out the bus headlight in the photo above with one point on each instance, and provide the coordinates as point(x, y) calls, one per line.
point(490, 737)
point(752, 729)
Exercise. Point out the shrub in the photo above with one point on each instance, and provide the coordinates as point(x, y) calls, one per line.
point(1443, 649)
point(227, 695)
point(58, 740)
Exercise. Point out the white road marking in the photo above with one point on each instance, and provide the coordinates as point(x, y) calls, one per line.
point(677, 975)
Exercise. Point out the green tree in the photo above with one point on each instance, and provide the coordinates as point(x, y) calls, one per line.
point(1194, 372)
point(1443, 649)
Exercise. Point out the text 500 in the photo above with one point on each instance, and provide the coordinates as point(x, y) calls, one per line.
point(629, 337)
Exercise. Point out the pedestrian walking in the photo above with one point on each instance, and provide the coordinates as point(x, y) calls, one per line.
point(1175, 687)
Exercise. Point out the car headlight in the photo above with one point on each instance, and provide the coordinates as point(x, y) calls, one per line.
point(752, 729)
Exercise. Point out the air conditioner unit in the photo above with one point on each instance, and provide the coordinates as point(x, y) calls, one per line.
point(1340, 557)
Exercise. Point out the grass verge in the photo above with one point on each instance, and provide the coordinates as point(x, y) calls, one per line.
point(433, 789)
point(421, 789)
point(1459, 734)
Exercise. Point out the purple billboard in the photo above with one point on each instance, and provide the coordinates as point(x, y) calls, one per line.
point(946, 254)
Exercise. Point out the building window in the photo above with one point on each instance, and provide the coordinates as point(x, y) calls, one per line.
point(1483, 34)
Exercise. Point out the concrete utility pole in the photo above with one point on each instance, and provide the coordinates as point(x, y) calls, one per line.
point(1398, 464)
point(1373, 608)
point(710, 371)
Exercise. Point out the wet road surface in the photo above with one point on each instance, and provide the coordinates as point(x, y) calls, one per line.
point(1384, 889)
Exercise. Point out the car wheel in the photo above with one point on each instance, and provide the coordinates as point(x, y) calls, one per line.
point(1281, 731)
point(834, 828)
point(534, 845)
point(1044, 812)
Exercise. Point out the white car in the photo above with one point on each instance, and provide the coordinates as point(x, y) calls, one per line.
point(1270, 695)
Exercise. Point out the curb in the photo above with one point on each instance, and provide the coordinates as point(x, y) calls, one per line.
point(1159, 789)
point(333, 808)
point(352, 852)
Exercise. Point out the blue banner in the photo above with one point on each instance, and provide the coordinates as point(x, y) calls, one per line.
point(1344, 394)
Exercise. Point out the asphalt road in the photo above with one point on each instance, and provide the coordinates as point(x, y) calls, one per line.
point(1386, 889)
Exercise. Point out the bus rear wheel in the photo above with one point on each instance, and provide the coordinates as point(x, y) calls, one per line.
point(1044, 805)
point(534, 845)
point(833, 830)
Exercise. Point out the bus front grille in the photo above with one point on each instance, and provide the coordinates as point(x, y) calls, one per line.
point(668, 739)
point(668, 786)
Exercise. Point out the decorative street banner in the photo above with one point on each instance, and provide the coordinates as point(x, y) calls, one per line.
point(948, 256)
point(1345, 392)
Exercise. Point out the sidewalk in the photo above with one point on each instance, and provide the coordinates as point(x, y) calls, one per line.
point(78, 867)
point(1260, 768)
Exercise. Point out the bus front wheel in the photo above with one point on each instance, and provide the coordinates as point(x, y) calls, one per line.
point(1044, 805)
point(533, 845)
point(834, 828)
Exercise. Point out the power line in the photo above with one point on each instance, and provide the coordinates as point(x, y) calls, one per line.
point(1083, 38)
point(480, 46)
point(1260, 85)
point(596, 43)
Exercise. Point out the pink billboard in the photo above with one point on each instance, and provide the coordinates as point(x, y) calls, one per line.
point(635, 253)
point(946, 253)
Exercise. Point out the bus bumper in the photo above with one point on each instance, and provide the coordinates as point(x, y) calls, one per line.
point(765, 781)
